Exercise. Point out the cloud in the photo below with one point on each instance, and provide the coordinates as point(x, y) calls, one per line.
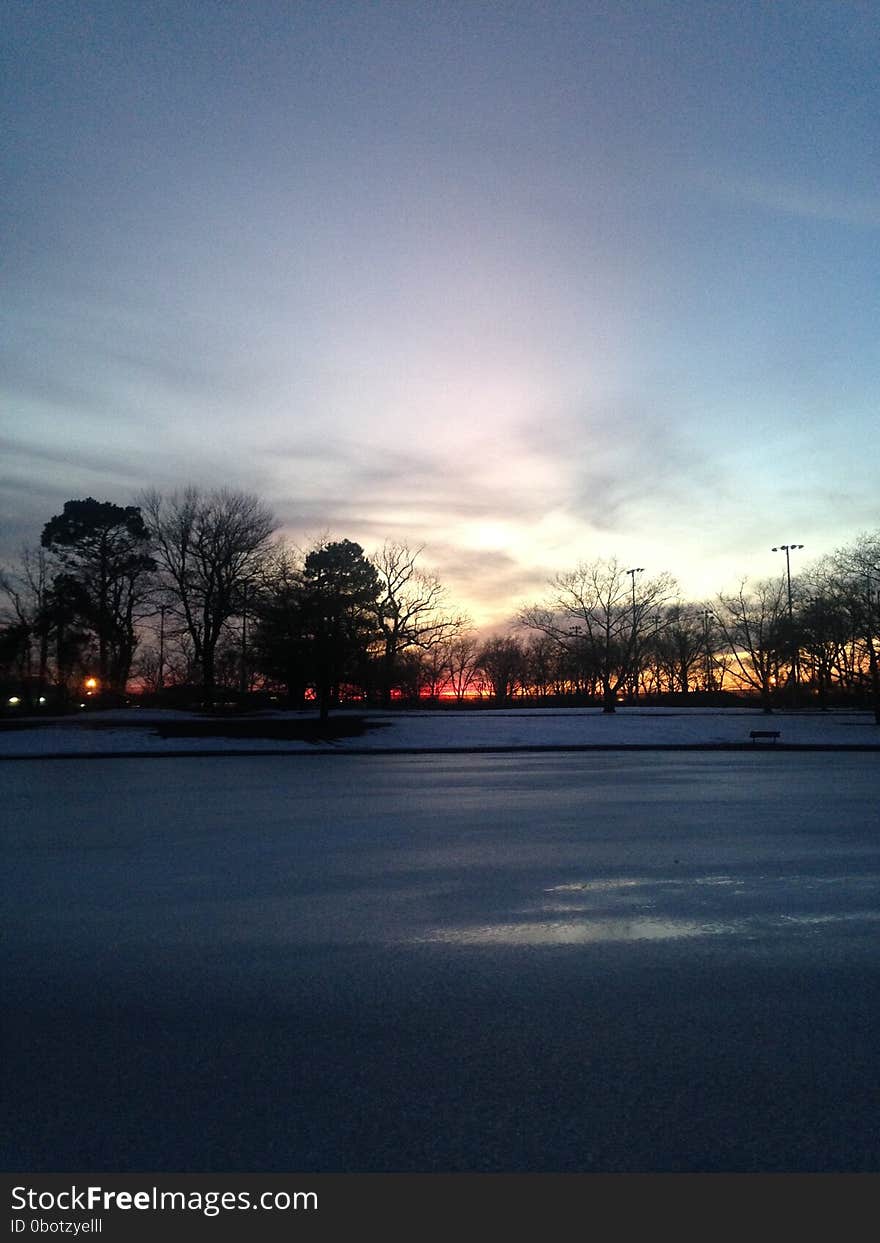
point(494, 582)
point(621, 461)
point(790, 199)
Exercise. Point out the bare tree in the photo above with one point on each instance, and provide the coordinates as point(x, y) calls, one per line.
point(859, 568)
point(410, 609)
point(209, 547)
point(826, 630)
point(753, 626)
point(679, 646)
point(412, 678)
point(599, 611)
point(463, 661)
point(28, 589)
point(503, 661)
point(542, 664)
point(435, 668)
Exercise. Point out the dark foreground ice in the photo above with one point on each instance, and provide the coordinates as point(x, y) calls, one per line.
point(505, 962)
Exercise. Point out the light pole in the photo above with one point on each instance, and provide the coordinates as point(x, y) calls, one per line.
point(873, 664)
point(637, 569)
point(577, 661)
point(657, 677)
point(707, 614)
point(788, 549)
point(244, 681)
point(161, 674)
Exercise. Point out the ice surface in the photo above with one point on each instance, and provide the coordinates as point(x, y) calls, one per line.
point(558, 961)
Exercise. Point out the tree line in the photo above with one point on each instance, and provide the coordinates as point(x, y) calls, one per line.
point(190, 597)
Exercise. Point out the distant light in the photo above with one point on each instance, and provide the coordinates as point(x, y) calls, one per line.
point(82, 705)
point(91, 684)
point(14, 699)
point(42, 699)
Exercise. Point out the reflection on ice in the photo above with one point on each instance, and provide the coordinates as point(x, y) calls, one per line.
point(579, 932)
point(597, 886)
point(589, 912)
point(833, 918)
point(618, 883)
point(638, 908)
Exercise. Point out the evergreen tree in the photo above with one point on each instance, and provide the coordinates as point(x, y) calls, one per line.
point(103, 554)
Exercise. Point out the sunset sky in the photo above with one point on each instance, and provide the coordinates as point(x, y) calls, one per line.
point(526, 283)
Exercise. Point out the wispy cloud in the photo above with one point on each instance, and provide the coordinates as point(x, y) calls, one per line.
point(791, 199)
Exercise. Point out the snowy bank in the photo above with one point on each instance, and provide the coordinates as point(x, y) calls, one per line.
point(138, 731)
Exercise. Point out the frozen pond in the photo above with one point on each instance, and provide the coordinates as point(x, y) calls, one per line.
point(546, 962)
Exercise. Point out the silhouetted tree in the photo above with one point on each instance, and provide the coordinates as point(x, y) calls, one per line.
point(27, 588)
point(678, 646)
point(412, 676)
point(541, 664)
point(340, 589)
point(409, 609)
point(462, 659)
point(434, 664)
point(858, 566)
point(280, 643)
point(14, 657)
point(503, 661)
point(592, 610)
point(104, 552)
point(70, 640)
point(826, 631)
point(208, 546)
point(753, 628)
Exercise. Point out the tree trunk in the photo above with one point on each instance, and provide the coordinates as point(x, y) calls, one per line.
point(209, 686)
point(387, 676)
point(766, 705)
point(875, 678)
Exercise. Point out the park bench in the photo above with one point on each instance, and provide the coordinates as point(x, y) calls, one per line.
point(771, 734)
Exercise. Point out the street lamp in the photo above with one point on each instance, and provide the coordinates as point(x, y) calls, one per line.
point(707, 617)
point(788, 549)
point(637, 569)
point(873, 664)
point(160, 675)
point(244, 682)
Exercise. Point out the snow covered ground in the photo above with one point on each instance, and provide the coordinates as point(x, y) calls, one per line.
point(134, 731)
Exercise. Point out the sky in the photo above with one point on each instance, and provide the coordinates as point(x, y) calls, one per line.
point(526, 284)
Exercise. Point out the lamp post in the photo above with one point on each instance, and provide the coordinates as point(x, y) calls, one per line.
point(788, 549)
point(657, 676)
point(161, 672)
point(637, 569)
point(873, 664)
point(707, 615)
point(575, 650)
point(244, 682)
